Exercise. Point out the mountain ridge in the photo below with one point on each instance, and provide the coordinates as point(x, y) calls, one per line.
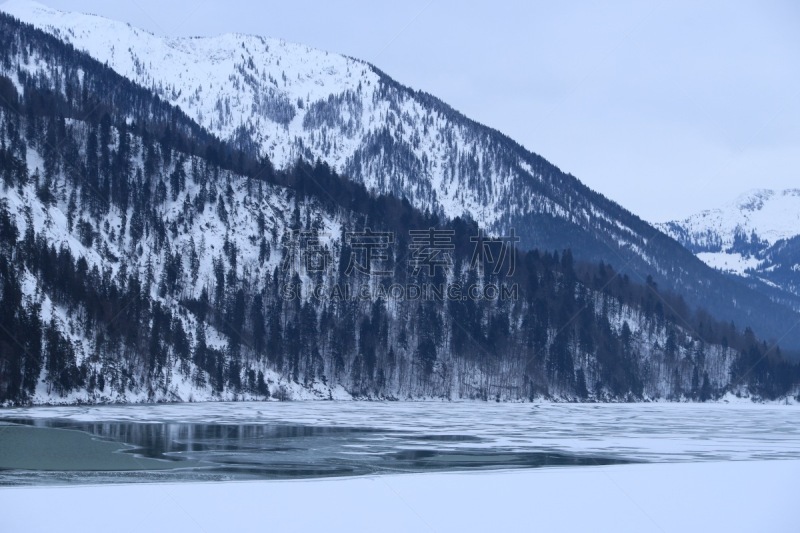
point(755, 237)
point(142, 259)
point(772, 214)
point(403, 142)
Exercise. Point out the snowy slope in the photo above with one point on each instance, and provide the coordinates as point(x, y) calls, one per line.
point(223, 82)
point(288, 101)
point(757, 236)
point(50, 223)
point(199, 246)
point(233, 81)
point(770, 215)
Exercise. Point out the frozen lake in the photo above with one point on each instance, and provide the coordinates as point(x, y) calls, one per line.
point(257, 441)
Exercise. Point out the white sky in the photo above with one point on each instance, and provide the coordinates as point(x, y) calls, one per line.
point(667, 108)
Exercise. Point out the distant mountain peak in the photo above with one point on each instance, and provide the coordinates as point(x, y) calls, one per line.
point(771, 215)
point(757, 199)
point(757, 235)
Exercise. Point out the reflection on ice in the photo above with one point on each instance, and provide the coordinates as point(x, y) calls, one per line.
point(302, 440)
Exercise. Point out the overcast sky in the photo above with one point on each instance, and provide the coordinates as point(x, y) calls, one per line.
point(667, 108)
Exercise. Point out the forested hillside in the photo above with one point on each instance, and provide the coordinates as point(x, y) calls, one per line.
point(285, 101)
point(142, 259)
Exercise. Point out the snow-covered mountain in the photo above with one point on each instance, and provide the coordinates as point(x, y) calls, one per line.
point(762, 215)
point(293, 101)
point(287, 101)
point(756, 236)
point(143, 260)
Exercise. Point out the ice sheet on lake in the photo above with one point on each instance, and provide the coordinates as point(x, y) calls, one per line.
point(646, 432)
